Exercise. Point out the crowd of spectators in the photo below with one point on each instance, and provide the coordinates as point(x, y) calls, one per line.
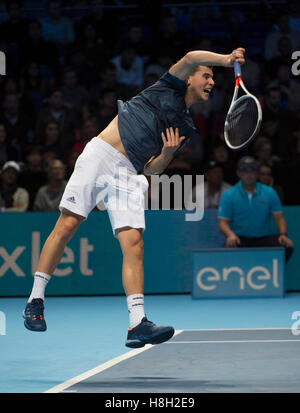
point(65, 72)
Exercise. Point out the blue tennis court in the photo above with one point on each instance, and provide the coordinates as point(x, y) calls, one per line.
point(220, 345)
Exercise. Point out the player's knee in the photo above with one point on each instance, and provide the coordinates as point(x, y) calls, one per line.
point(66, 227)
point(134, 245)
point(138, 247)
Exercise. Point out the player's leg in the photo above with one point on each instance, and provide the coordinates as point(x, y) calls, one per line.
point(52, 251)
point(77, 201)
point(141, 331)
point(50, 257)
point(132, 246)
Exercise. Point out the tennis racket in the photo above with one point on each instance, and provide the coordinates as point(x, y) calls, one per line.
point(244, 116)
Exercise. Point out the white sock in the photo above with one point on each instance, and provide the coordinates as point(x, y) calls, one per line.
point(39, 285)
point(135, 303)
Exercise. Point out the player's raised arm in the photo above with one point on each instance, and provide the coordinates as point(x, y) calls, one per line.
point(186, 66)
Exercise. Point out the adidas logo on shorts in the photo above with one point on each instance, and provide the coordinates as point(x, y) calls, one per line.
point(71, 199)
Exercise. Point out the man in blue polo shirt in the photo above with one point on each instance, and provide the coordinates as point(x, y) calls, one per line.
point(246, 210)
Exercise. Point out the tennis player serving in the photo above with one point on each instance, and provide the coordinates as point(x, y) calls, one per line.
point(142, 138)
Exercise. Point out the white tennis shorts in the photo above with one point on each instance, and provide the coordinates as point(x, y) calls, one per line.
point(104, 175)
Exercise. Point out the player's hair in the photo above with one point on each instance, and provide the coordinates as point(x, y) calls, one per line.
point(197, 68)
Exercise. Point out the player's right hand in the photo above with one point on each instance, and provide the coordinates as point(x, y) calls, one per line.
point(232, 241)
point(171, 141)
point(236, 56)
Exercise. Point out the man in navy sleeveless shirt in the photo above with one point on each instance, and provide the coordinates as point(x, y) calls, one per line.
point(140, 139)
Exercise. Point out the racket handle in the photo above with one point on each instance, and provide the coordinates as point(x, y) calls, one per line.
point(237, 68)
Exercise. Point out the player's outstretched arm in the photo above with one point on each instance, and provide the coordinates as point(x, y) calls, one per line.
point(186, 66)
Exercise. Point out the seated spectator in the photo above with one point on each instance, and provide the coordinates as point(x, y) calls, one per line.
point(265, 177)
point(58, 110)
point(264, 154)
point(36, 49)
point(130, 68)
point(13, 198)
point(7, 151)
point(88, 131)
point(172, 41)
point(282, 28)
point(13, 29)
point(220, 90)
point(294, 14)
point(96, 54)
point(49, 196)
point(33, 175)
point(214, 186)
point(103, 22)
point(71, 159)
point(74, 94)
point(108, 77)
point(33, 85)
point(135, 40)
point(107, 108)
point(263, 151)
point(57, 28)
point(252, 75)
point(246, 209)
point(220, 155)
point(51, 139)
point(107, 80)
point(180, 165)
point(290, 88)
point(292, 183)
point(285, 57)
point(278, 123)
point(18, 125)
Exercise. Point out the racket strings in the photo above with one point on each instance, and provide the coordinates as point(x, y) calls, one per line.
point(242, 121)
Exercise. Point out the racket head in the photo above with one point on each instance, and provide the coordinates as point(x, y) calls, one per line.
point(242, 122)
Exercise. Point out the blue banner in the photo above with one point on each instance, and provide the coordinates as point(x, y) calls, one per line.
point(238, 272)
point(92, 261)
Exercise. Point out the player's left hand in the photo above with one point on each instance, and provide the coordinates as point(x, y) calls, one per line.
point(171, 141)
point(236, 56)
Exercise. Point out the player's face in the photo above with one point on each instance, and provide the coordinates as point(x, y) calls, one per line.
point(201, 82)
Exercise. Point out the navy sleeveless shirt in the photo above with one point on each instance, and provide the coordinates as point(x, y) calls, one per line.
point(142, 119)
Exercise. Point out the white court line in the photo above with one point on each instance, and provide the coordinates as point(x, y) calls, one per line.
point(61, 387)
point(230, 341)
point(239, 329)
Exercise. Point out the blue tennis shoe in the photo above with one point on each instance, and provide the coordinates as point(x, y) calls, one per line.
point(34, 315)
point(148, 333)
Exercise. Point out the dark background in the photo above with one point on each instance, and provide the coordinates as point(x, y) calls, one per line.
point(63, 80)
